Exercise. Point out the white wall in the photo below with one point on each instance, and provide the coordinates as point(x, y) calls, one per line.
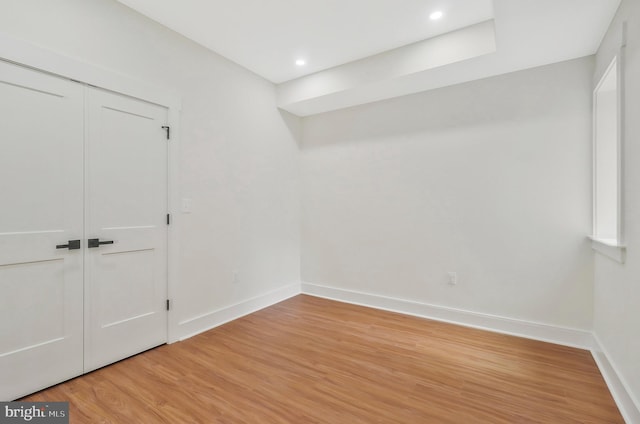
point(239, 158)
point(617, 286)
point(490, 179)
point(380, 76)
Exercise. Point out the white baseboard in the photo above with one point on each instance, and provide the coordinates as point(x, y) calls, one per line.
point(582, 339)
point(196, 325)
point(628, 406)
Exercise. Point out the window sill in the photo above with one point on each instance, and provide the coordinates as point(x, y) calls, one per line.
point(609, 248)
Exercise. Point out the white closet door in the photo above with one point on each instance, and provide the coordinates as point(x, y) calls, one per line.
point(126, 207)
point(41, 202)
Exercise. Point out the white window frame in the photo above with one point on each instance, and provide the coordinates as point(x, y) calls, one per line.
point(613, 248)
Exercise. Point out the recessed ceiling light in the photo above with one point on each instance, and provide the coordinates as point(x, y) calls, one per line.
point(301, 62)
point(436, 15)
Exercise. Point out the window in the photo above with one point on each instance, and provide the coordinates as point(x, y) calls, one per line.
point(607, 164)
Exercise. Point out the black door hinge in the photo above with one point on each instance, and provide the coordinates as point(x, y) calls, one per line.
point(168, 129)
point(168, 219)
point(168, 304)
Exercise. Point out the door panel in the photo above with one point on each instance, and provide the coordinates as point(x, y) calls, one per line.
point(126, 203)
point(41, 187)
point(43, 292)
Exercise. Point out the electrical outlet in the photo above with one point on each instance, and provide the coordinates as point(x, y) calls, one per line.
point(187, 205)
point(452, 278)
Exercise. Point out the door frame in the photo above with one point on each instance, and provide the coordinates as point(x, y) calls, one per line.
point(31, 56)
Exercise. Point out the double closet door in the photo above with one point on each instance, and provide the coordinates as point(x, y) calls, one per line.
point(83, 231)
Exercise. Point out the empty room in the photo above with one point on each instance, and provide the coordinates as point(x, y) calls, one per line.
point(320, 211)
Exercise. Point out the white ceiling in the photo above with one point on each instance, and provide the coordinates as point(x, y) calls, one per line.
point(337, 38)
point(267, 36)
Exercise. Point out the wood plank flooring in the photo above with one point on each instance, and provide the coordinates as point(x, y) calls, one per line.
point(310, 360)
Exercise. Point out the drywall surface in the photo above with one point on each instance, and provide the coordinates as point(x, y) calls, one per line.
point(617, 286)
point(238, 152)
point(362, 81)
point(489, 179)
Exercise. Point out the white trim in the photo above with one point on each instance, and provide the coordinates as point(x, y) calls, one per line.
point(621, 62)
point(173, 235)
point(31, 56)
point(618, 64)
point(531, 330)
point(629, 406)
point(609, 249)
point(201, 323)
point(41, 59)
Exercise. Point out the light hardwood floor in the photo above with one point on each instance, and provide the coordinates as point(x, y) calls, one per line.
point(310, 360)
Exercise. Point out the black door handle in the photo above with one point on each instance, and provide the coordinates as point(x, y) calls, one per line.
point(71, 245)
point(97, 243)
